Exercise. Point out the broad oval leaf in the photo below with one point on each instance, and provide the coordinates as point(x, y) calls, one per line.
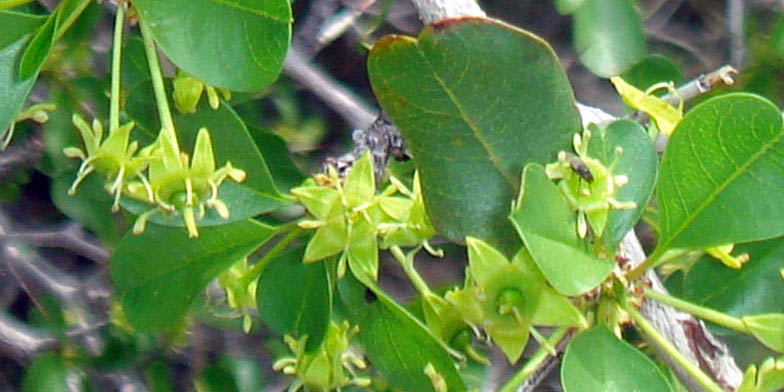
point(596, 360)
point(638, 161)
point(296, 298)
point(14, 30)
point(230, 141)
point(160, 272)
point(754, 289)
point(473, 120)
point(234, 44)
point(608, 36)
point(547, 225)
point(722, 176)
point(397, 343)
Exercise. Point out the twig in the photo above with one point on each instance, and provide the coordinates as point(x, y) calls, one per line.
point(69, 237)
point(736, 15)
point(37, 276)
point(17, 157)
point(20, 340)
point(356, 112)
point(318, 14)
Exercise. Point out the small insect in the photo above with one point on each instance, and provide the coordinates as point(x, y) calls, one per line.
point(370, 297)
point(579, 167)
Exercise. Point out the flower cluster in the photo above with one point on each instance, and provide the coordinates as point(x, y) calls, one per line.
point(507, 299)
point(588, 185)
point(349, 216)
point(158, 174)
point(329, 368)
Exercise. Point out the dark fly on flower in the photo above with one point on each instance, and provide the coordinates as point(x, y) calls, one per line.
point(579, 167)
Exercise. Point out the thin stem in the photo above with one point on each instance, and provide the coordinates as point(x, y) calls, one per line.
point(259, 267)
point(658, 257)
point(535, 362)
point(650, 331)
point(114, 105)
point(407, 263)
point(167, 124)
point(698, 311)
point(8, 4)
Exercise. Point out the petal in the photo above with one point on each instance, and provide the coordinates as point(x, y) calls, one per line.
point(484, 260)
point(203, 159)
point(360, 187)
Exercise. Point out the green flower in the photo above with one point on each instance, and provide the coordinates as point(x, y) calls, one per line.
point(588, 185)
point(509, 299)
point(347, 214)
point(240, 295)
point(114, 158)
point(188, 91)
point(411, 225)
point(178, 186)
point(325, 369)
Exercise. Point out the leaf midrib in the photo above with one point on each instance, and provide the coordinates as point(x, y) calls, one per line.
point(496, 161)
point(723, 186)
point(261, 13)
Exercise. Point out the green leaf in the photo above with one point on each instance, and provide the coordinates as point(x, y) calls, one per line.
point(566, 7)
point(547, 225)
point(768, 329)
point(230, 142)
point(14, 28)
point(234, 44)
point(722, 176)
point(56, 25)
point(285, 173)
point(38, 50)
point(15, 25)
point(296, 298)
point(47, 373)
point(596, 360)
point(638, 161)
point(160, 272)
point(653, 69)
point(215, 378)
point(472, 121)
point(608, 36)
point(398, 345)
point(754, 289)
point(159, 377)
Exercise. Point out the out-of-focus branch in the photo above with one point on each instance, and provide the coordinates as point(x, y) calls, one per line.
point(38, 277)
point(69, 237)
point(736, 15)
point(356, 112)
point(17, 157)
point(434, 10)
point(20, 340)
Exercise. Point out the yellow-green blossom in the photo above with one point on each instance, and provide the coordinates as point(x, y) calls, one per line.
point(183, 187)
point(114, 158)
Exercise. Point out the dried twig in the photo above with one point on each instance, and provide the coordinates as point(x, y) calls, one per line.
point(356, 112)
point(18, 157)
